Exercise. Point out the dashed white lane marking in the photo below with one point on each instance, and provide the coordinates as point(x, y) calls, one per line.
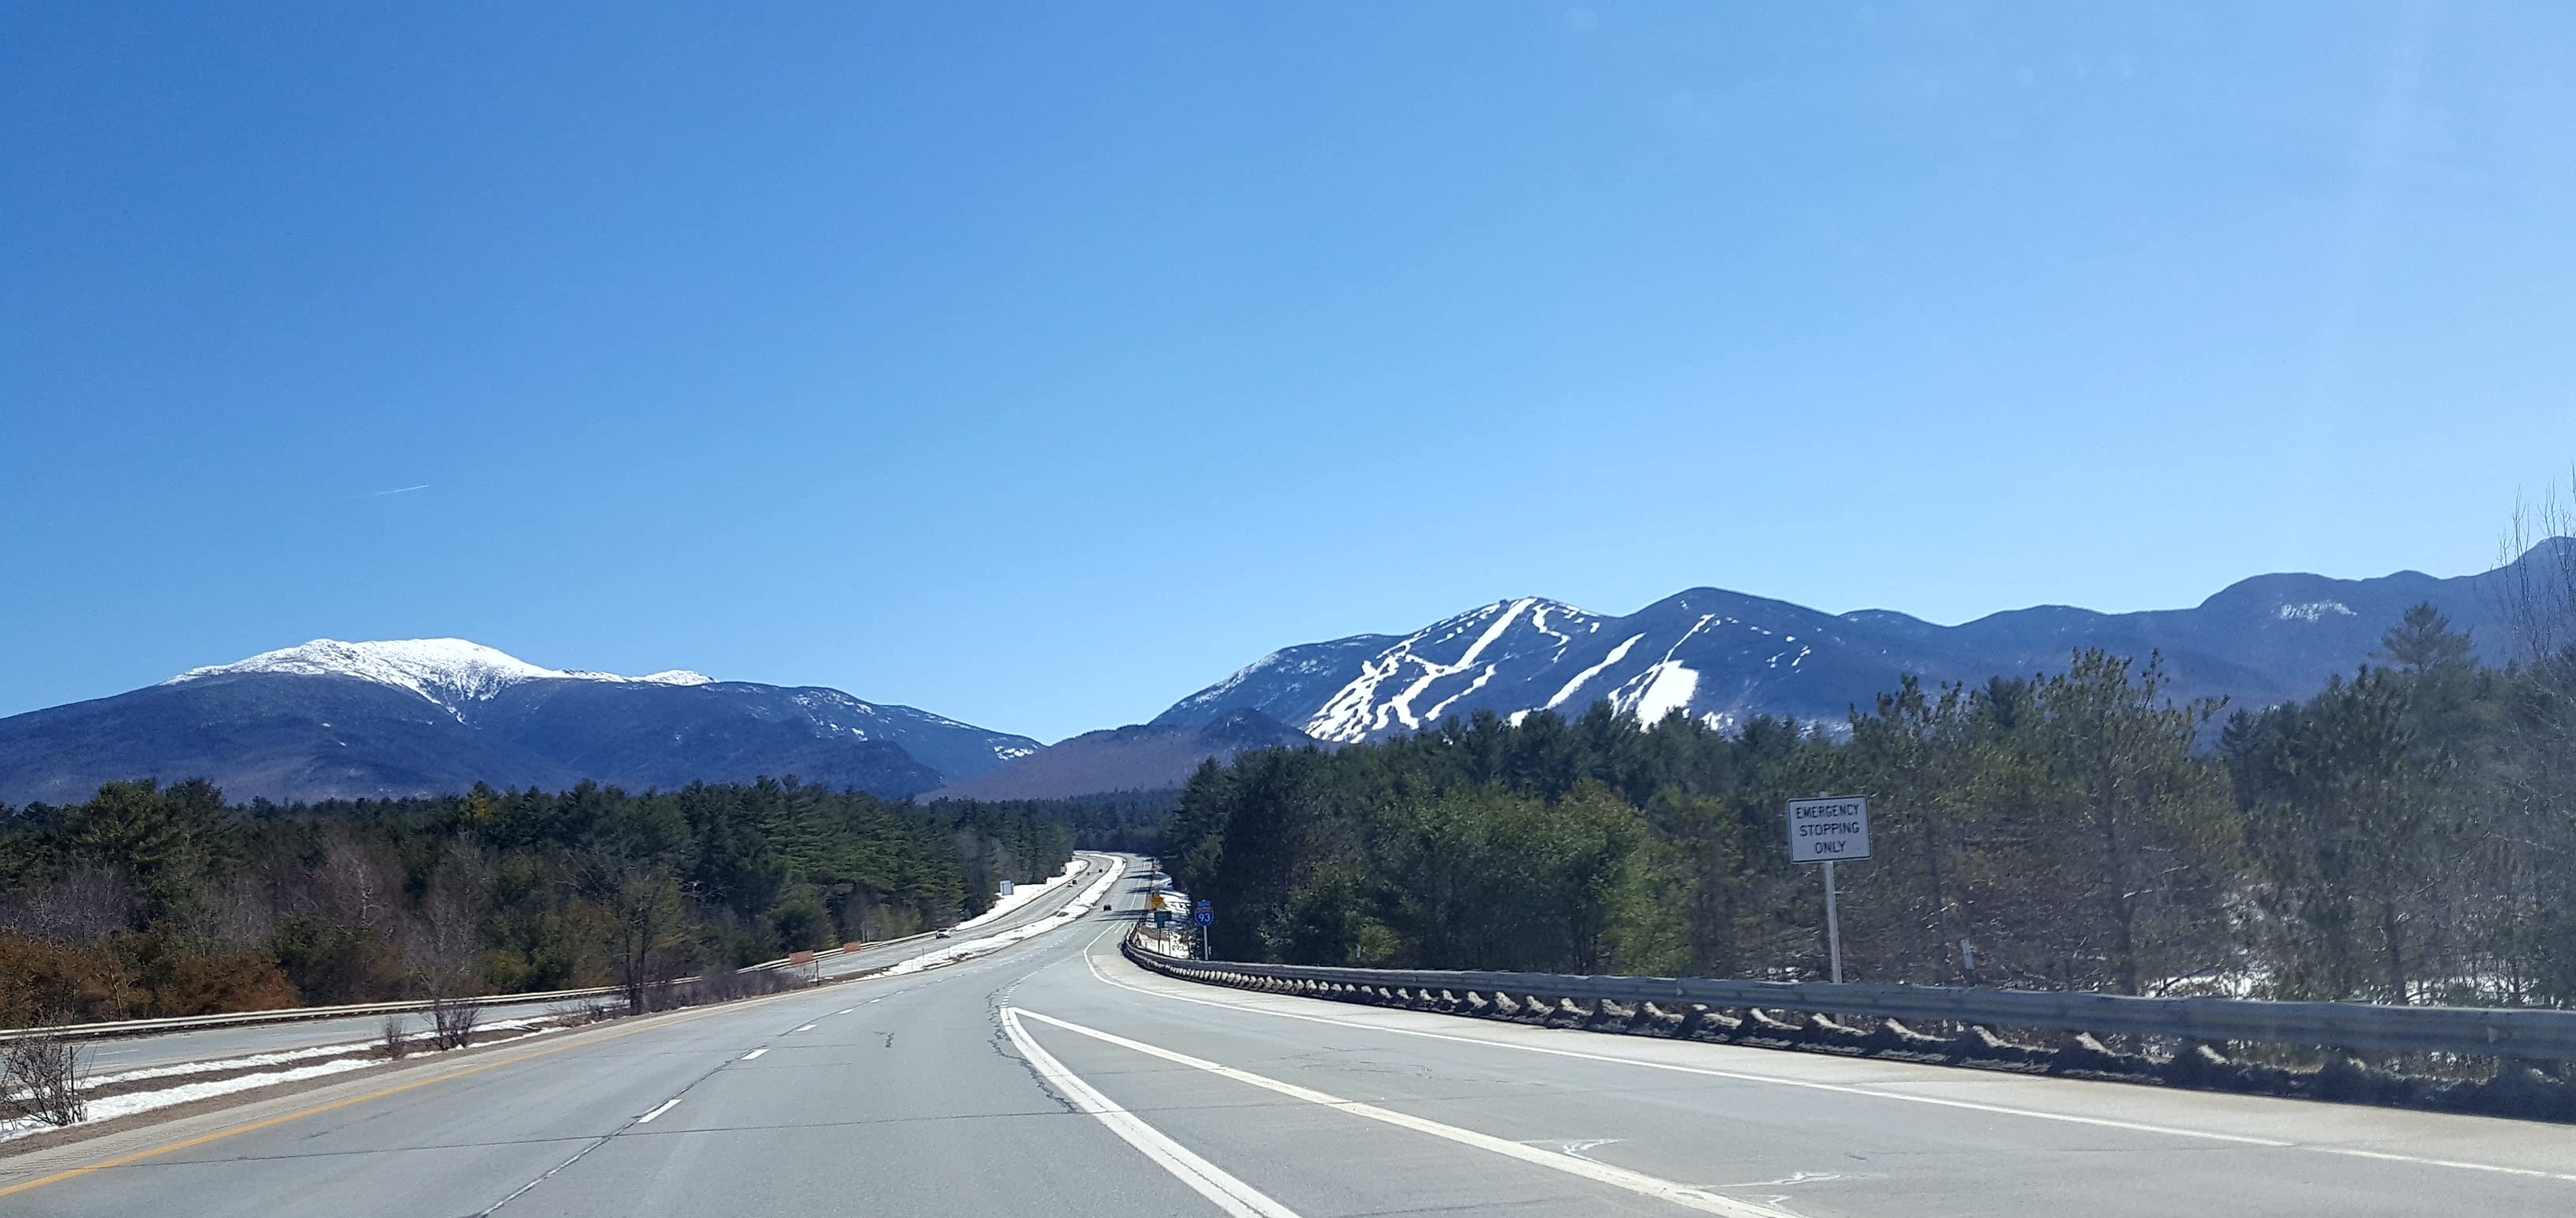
point(1207, 1179)
point(2002, 1109)
point(667, 1105)
point(807, 1028)
point(1637, 1182)
point(846, 1010)
point(755, 1053)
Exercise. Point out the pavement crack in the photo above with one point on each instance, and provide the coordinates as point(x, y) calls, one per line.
point(604, 1139)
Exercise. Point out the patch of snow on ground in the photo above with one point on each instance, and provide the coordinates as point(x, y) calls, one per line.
point(109, 1108)
point(1073, 910)
point(279, 1058)
point(283, 1056)
point(1021, 895)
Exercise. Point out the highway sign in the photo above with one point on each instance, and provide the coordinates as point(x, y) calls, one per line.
point(1207, 912)
point(1831, 830)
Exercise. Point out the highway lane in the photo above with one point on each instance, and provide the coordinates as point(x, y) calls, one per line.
point(965, 1090)
point(216, 1044)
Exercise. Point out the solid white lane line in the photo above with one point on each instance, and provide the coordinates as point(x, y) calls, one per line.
point(1210, 1181)
point(755, 1053)
point(1936, 1101)
point(1590, 1169)
point(2357, 1153)
point(807, 1028)
point(667, 1105)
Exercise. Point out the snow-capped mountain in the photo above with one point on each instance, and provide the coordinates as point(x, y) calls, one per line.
point(445, 671)
point(422, 716)
point(1722, 656)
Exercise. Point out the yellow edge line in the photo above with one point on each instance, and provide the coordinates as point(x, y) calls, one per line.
point(318, 1109)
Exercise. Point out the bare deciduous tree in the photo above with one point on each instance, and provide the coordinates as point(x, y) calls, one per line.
point(442, 940)
point(2538, 588)
point(40, 1077)
point(452, 1020)
point(77, 906)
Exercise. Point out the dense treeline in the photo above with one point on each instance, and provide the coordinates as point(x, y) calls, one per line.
point(159, 901)
point(1129, 822)
point(2407, 835)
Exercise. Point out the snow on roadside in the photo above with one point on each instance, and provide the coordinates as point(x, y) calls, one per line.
point(972, 948)
point(281, 1056)
point(1021, 895)
point(109, 1108)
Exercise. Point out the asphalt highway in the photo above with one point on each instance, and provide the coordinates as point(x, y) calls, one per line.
point(1055, 1078)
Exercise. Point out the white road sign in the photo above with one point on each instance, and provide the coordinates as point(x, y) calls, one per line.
point(1834, 830)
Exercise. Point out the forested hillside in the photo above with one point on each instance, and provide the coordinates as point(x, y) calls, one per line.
point(1125, 821)
point(164, 901)
point(2408, 835)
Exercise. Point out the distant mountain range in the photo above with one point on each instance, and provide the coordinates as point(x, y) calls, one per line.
point(426, 716)
point(1142, 757)
point(429, 716)
point(1722, 656)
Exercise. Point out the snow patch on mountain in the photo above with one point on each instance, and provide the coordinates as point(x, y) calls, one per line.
point(1666, 685)
point(1390, 684)
point(1222, 688)
point(1617, 654)
point(444, 671)
point(1725, 657)
point(2314, 611)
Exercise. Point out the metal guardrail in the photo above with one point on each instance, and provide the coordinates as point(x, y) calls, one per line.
point(241, 1019)
point(2528, 1035)
point(199, 1023)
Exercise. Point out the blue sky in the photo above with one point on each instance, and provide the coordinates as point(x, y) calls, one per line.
point(1039, 365)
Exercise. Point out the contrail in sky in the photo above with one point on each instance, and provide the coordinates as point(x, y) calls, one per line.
point(399, 490)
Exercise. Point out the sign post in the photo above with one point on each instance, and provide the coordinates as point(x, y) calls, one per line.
point(1828, 830)
point(1206, 915)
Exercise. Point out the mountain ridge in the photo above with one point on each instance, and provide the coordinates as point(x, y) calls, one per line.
point(391, 718)
point(1721, 656)
point(1137, 757)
